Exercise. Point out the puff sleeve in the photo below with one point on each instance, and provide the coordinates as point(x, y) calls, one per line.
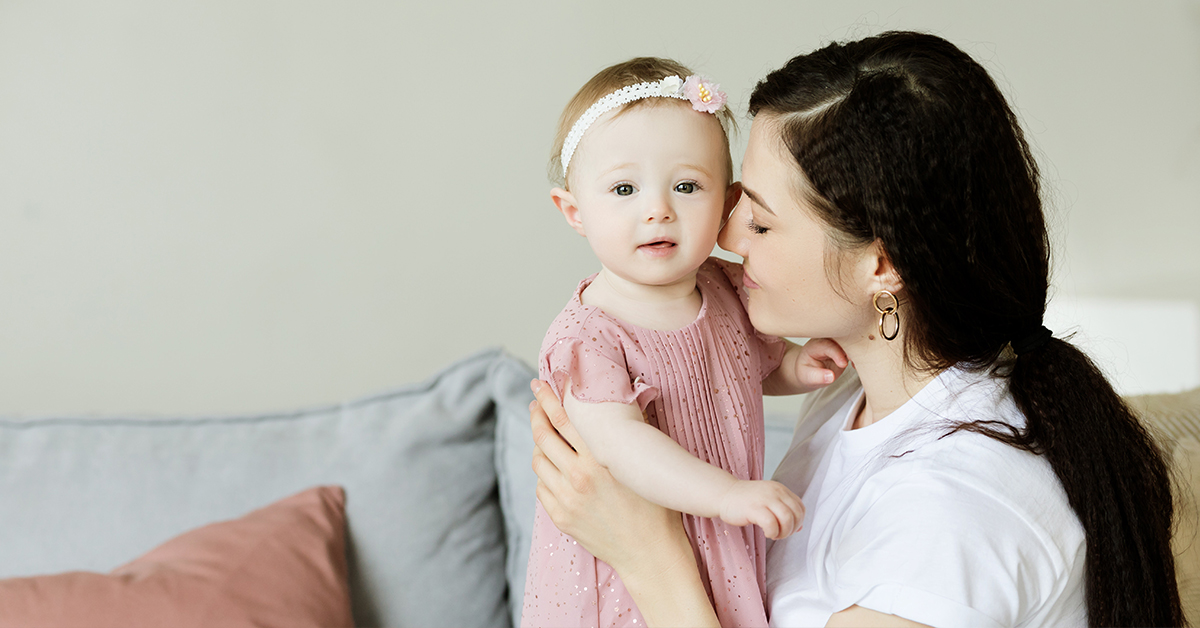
point(596, 368)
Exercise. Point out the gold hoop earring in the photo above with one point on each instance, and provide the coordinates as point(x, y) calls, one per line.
point(891, 308)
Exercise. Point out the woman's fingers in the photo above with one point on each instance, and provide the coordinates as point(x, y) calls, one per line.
point(550, 503)
point(553, 447)
point(557, 415)
point(544, 468)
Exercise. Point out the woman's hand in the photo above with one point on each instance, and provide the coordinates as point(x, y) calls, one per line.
point(643, 541)
point(586, 502)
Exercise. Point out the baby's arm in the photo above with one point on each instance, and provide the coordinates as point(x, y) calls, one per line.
point(807, 367)
point(657, 468)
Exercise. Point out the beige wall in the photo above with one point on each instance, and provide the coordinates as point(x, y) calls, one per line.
point(236, 206)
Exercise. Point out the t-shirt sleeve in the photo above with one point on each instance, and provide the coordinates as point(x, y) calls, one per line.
point(939, 552)
point(768, 349)
point(596, 371)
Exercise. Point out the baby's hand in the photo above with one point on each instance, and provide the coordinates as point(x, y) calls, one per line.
point(820, 361)
point(767, 504)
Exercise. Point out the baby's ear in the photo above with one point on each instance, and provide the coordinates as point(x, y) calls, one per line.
point(732, 195)
point(565, 202)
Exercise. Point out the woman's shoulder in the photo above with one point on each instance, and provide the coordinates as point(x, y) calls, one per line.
point(957, 539)
point(957, 524)
point(972, 479)
point(969, 479)
point(994, 516)
point(970, 508)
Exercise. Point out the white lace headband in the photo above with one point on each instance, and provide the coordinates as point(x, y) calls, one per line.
point(705, 96)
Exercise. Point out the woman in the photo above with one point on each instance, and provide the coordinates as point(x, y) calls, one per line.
point(970, 469)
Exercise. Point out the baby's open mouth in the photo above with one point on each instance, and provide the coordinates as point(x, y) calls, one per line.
point(658, 244)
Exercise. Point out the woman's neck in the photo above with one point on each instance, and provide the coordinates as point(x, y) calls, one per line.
point(667, 307)
point(888, 381)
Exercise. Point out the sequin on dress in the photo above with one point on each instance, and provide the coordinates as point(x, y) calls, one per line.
point(702, 386)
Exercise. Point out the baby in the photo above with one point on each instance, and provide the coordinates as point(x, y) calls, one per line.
point(654, 357)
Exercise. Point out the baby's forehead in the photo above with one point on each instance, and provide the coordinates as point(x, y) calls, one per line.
point(655, 131)
point(656, 106)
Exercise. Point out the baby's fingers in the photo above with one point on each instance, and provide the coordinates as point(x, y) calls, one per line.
point(788, 509)
point(816, 376)
point(827, 351)
point(766, 519)
point(790, 518)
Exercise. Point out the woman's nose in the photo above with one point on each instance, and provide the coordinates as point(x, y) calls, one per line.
point(732, 237)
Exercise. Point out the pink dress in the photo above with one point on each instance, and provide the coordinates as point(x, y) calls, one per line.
point(702, 386)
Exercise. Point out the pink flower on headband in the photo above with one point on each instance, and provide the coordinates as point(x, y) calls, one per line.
point(705, 95)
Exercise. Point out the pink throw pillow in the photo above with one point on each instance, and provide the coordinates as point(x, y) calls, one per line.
point(283, 565)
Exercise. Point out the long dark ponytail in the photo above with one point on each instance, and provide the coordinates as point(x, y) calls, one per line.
point(904, 139)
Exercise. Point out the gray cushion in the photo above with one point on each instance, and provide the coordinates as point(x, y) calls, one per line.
point(427, 544)
point(518, 496)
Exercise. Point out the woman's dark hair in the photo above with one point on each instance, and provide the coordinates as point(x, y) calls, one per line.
point(904, 139)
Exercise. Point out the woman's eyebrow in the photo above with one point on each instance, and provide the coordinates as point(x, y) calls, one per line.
point(757, 199)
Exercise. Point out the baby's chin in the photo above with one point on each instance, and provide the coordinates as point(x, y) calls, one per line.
point(657, 280)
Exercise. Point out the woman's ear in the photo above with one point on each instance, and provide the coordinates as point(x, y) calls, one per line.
point(884, 275)
point(565, 202)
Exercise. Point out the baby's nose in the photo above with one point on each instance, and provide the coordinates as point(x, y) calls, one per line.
point(659, 210)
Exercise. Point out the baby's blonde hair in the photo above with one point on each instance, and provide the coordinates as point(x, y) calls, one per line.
point(613, 78)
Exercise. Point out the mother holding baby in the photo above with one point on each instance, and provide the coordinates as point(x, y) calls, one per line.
point(970, 469)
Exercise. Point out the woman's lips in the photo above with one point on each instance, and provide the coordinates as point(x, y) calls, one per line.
point(748, 282)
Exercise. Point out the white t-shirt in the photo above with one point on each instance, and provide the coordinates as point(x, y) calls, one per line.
point(958, 531)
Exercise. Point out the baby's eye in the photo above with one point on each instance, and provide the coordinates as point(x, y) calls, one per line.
point(686, 187)
point(623, 189)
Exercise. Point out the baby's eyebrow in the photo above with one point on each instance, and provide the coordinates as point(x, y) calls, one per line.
point(618, 167)
point(699, 168)
point(756, 198)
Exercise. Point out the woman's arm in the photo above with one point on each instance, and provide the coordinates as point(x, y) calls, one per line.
point(859, 617)
point(644, 542)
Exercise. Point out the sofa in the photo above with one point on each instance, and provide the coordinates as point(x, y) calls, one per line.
point(409, 508)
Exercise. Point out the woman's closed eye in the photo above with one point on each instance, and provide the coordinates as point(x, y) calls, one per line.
point(756, 228)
